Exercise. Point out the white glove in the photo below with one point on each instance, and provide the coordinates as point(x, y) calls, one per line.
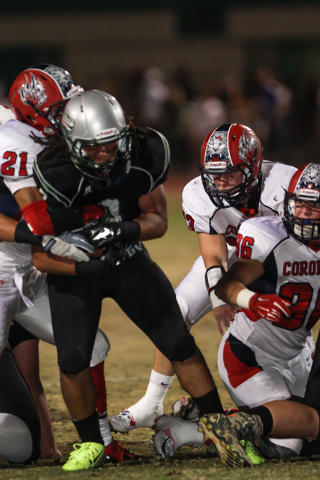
point(71, 245)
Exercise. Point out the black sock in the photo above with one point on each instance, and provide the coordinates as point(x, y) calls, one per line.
point(209, 403)
point(88, 429)
point(266, 418)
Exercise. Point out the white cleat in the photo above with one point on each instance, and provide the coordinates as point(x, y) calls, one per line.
point(141, 415)
point(173, 433)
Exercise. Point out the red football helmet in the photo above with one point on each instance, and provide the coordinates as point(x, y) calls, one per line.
point(38, 96)
point(229, 148)
point(304, 187)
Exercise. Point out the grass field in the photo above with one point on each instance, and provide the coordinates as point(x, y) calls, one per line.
point(127, 371)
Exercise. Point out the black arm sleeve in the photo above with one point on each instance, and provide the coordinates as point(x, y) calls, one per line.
point(65, 220)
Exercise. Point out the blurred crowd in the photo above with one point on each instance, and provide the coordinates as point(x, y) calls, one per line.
point(285, 115)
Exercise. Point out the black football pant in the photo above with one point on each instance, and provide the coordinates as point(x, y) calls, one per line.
point(141, 290)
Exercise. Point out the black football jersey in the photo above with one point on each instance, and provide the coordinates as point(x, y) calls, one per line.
point(64, 186)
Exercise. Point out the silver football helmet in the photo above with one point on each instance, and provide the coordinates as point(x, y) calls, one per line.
point(95, 118)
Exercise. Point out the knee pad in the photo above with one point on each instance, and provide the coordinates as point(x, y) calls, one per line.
point(181, 349)
point(100, 349)
point(73, 361)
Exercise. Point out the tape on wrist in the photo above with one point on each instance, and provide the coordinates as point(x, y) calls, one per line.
point(216, 302)
point(213, 275)
point(244, 297)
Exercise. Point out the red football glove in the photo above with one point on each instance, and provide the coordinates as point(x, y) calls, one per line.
point(271, 307)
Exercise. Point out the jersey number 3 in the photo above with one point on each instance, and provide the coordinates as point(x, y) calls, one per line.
point(7, 167)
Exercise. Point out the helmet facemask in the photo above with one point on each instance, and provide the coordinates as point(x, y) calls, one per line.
point(304, 188)
point(303, 229)
point(228, 197)
point(108, 172)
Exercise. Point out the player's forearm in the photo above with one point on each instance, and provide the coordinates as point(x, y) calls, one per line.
point(152, 226)
point(228, 288)
point(48, 263)
point(7, 228)
point(213, 250)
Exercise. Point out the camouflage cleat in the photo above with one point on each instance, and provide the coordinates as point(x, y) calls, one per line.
point(247, 426)
point(218, 429)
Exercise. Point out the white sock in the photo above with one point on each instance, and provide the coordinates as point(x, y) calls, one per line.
point(158, 386)
point(105, 429)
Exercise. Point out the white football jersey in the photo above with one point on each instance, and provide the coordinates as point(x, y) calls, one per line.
point(292, 271)
point(17, 155)
point(202, 216)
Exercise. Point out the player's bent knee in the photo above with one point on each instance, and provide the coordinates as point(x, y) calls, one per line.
point(72, 362)
point(313, 423)
point(182, 350)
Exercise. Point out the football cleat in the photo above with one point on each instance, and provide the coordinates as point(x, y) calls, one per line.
point(218, 429)
point(173, 433)
point(188, 410)
point(84, 456)
point(116, 453)
point(252, 452)
point(141, 415)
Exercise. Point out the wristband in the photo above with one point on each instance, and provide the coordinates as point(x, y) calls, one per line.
point(216, 301)
point(213, 275)
point(130, 231)
point(23, 234)
point(244, 297)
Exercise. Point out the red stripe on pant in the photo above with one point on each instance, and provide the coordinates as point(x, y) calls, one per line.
point(238, 372)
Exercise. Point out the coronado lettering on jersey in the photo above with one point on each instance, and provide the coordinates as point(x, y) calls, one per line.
point(299, 269)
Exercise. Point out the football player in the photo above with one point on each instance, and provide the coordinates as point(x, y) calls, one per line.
point(235, 184)
point(275, 282)
point(24, 291)
point(122, 167)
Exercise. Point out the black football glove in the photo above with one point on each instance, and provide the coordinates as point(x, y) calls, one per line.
point(102, 233)
point(111, 258)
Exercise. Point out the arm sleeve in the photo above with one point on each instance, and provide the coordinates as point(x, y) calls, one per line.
point(45, 220)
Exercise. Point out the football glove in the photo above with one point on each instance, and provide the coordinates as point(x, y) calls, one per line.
point(69, 244)
point(101, 233)
point(271, 307)
point(111, 258)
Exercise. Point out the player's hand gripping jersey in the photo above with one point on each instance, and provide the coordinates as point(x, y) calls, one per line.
point(292, 271)
point(204, 217)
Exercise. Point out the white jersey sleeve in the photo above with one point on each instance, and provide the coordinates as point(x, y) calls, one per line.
point(18, 152)
point(276, 177)
point(197, 207)
point(258, 236)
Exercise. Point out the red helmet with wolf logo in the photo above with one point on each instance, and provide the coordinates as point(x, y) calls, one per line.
point(39, 93)
point(227, 149)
